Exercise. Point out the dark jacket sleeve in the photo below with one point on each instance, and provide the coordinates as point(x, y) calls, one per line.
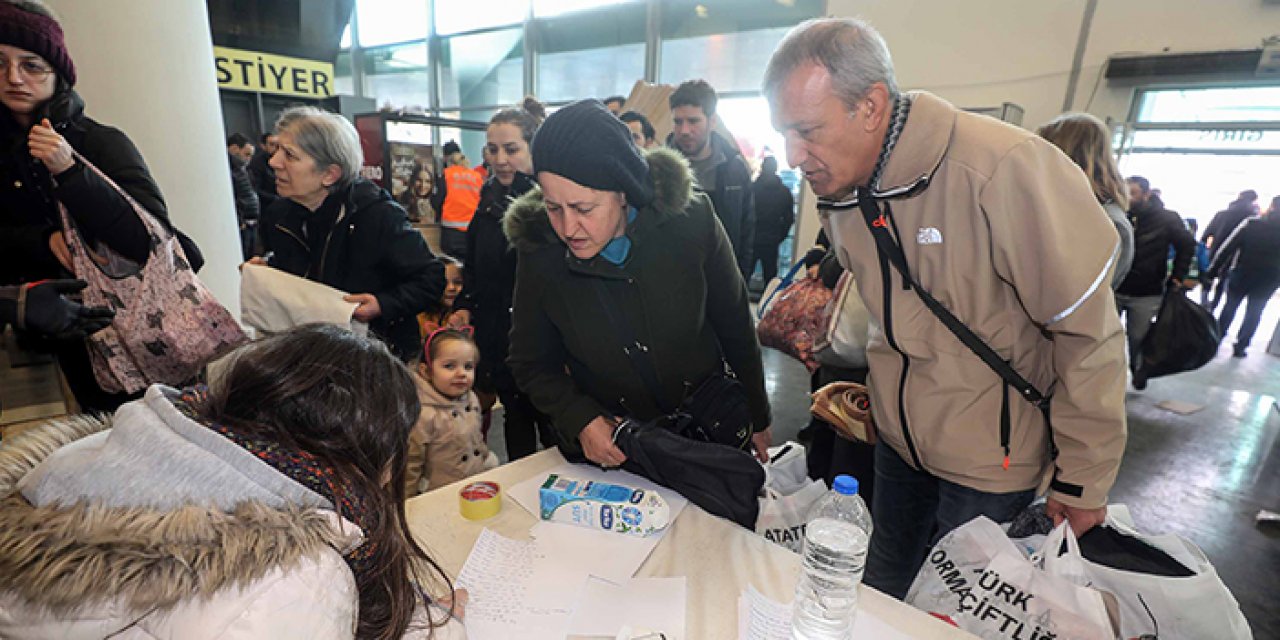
point(538, 359)
point(260, 177)
point(25, 251)
point(409, 263)
point(788, 212)
point(730, 316)
point(1184, 246)
point(98, 209)
point(247, 205)
point(1226, 251)
point(467, 298)
point(747, 203)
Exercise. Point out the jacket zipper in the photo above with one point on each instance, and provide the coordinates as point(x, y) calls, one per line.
point(342, 213)
point(291, 234)
point(887, 276)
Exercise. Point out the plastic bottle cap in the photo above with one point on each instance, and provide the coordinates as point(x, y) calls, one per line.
point(845, 485)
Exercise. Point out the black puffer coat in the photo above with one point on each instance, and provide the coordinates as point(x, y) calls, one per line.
point(1154, 230)
point(371, 248)
point(490, 282)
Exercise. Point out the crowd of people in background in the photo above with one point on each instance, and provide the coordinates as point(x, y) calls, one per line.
point(580, 242)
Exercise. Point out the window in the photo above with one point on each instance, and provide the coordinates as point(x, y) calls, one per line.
point(457, 16)
point(1217, 104)
point(1203, 145)
point(552, 8)
point(591, 54)
point(342, 83)
point(391, 21)
point(484, 69)
point(729, 61)
point(398, 76)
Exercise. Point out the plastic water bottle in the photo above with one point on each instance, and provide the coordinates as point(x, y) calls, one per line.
point(835, 554)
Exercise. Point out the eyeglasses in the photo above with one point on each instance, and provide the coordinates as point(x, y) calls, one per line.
point(28, 68)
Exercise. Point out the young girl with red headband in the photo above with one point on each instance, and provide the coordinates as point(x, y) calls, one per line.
point(446, 444)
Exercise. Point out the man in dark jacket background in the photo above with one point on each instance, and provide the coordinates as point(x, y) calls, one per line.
point(1138, 297)
point(719, 167)
point(261, 175)
point(1224, 223)
point(1255, 274)
point(239, 153)
point(775, 213)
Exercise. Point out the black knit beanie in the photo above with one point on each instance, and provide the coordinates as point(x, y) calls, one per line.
point(587, 144)
point(38, 34)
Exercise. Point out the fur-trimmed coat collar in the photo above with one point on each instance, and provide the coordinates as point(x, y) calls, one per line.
point(60, 559)
point(528, 228)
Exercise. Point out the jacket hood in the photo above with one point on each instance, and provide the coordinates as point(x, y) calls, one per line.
point(364, 193)
point(65, 558)
point(429, 397)
point(528, 228)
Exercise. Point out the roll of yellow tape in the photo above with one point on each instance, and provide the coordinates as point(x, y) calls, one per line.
point(480, 500)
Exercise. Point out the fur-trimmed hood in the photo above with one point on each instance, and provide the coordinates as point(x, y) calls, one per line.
point(66, 558)
point(528, 228)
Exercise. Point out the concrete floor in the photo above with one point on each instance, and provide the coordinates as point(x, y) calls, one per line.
point(1203, 476)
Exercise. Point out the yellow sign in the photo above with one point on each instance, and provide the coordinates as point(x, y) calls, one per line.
point(270, 73)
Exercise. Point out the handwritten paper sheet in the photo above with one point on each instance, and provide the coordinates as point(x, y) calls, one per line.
point(760, 618)
point(516, 591)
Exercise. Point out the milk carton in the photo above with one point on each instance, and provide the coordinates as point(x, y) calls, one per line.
point(598, 505)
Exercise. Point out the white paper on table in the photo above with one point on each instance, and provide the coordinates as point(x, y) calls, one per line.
point(612, 556)
point(272, 300)
point(516, 591)
point(653, 604)
point(760, 618)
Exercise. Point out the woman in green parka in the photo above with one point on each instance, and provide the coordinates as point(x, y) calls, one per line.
point(635, 224)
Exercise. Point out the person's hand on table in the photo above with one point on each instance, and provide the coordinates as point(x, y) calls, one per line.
point(368, 309)
point(597, 443)
point(455, 603)
point(760, 442)
point(1081, 519)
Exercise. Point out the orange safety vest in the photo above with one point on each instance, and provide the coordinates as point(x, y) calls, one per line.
point(462, 197)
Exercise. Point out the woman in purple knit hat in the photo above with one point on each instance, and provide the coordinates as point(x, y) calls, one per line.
point(42, 125)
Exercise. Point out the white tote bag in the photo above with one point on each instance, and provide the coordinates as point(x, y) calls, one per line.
point(1188, 608)
point(788, 495)
point(848, 323)
point(976, 577)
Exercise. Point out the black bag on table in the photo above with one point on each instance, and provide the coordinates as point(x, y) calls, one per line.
point(1183, 337)
point(723, 481)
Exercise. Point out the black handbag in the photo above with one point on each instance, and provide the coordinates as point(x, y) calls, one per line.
point(724, 482)
point(715, 410)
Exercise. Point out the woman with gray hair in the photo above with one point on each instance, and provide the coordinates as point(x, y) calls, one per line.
point(332, 226)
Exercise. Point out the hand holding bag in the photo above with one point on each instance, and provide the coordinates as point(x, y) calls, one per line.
point(167, 324)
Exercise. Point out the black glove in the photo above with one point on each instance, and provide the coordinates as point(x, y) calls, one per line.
point(47, 312)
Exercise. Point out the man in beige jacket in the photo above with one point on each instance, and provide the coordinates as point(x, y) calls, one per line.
point(1003, 231)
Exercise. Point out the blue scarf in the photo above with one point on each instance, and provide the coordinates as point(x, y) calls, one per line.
point(619, 248)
